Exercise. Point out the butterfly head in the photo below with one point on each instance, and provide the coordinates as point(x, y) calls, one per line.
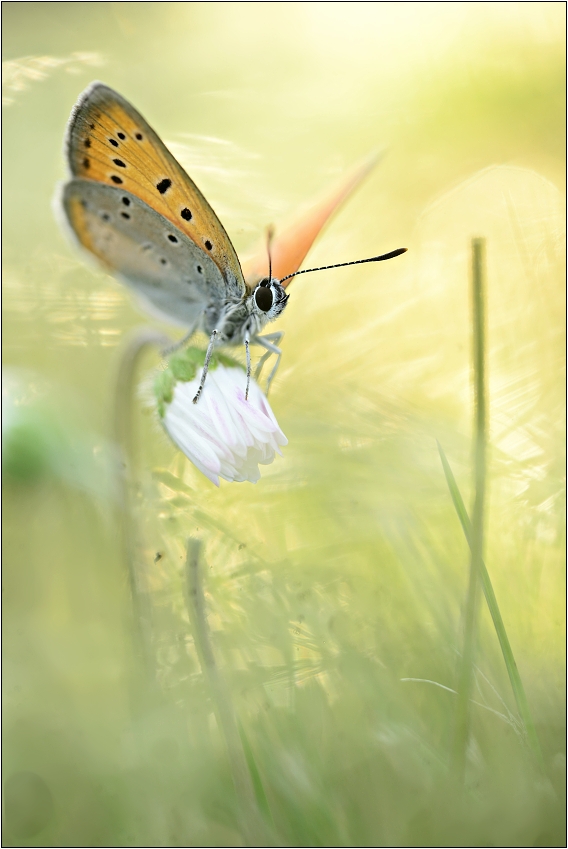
point(269, 298)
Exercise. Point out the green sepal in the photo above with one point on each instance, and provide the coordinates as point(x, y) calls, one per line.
point(164, 390)
point(183, 365)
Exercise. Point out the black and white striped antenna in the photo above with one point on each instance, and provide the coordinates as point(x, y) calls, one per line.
point(380, 258)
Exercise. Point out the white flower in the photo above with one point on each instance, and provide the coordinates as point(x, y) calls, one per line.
point(224, 435)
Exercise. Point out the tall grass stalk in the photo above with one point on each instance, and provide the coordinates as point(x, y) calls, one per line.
point(252, 827)
point(510, 663)
point(462, 720)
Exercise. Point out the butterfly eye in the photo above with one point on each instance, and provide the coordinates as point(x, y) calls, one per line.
point(263, 297)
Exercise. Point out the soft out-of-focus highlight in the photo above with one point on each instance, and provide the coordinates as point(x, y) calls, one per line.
point(290, 678)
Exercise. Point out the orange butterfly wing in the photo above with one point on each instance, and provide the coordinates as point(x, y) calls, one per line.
point(108, 141)
point(289, 248)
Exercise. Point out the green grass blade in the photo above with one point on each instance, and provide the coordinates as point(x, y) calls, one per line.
point(462, 723)
point(258, 786)
point(510, 663)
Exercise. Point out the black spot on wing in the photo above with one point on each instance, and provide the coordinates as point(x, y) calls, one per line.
point(125, 215)
point(113, 142)
point(119, 162)
point(139, 136)
point(173, 239)
point(164, 185)
point(87, 142)
point(86, 163)
point(121, 136)
point(126, 201)
point(208, 245)
point(115, 179)
point(186, 214)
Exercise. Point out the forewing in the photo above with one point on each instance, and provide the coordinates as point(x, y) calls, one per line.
point(108, 141)
point(159, 262)
point(290, 246)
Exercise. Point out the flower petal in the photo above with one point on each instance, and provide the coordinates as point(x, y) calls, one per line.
point(224, 435)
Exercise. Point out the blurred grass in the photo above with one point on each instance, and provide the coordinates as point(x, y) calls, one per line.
point(493, 607)
point(343, 571)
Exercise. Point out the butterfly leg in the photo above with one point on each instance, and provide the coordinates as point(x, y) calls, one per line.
point(270, 342)
point(247, 349)
point(205, 366)
point(172, 348)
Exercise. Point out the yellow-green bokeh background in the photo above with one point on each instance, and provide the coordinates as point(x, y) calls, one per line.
point(344, 569)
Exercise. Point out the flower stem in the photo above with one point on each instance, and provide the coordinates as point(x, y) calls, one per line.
point(462, 720)
point(252, 827)
point(124, 438)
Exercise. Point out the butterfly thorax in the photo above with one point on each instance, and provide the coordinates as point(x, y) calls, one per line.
point(247, 316)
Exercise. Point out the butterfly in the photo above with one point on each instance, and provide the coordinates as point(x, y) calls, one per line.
point(131, 205)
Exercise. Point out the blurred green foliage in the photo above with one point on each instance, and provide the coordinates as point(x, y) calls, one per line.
point(338, 580)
